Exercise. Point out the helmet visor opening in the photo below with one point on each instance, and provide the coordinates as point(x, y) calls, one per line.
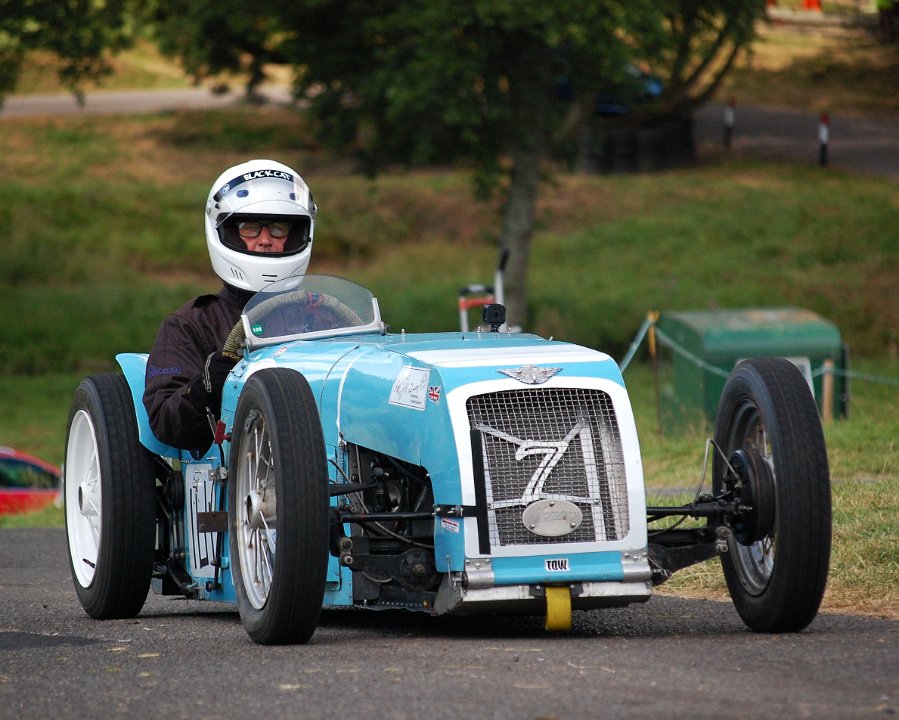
point(297, 229)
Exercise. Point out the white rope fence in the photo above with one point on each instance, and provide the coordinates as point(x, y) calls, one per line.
point(649, 327)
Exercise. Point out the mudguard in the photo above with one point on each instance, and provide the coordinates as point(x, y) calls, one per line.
point(134, 365)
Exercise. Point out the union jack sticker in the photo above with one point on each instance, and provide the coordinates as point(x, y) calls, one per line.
point(434, 393)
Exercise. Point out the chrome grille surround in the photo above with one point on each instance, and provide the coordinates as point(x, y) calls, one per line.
point(551, 443)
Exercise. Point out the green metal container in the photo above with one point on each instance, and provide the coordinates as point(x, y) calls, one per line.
point(700, 348)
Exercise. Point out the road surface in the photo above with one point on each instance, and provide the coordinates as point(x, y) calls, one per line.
point(854, 144)
point(669, 658)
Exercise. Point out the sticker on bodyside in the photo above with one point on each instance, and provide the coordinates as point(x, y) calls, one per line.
point(410, 389)
point(450, 525)
point(557, 565)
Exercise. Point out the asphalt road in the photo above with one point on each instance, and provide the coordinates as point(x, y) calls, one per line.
point(668, 658)
point(126, 101)
point(129, 101)
point(855, 144)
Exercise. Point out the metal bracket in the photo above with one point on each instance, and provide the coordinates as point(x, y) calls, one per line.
point(455, 510)
point(214, 522)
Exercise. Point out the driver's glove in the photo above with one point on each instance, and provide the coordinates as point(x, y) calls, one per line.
point(205, 389)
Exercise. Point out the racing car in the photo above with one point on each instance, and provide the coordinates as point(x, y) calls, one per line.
point(462, 472)
point(27, 483)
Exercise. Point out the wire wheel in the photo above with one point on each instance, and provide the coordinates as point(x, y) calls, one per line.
point(278, 508)
point(753, 554)
point(257, 524)
point(778, 557)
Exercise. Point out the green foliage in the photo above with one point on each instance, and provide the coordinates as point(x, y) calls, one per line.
point(36, 409)
point(78, 32)
point(245, 131)
point(425, 81)
point(211, 37)
point(85, 326)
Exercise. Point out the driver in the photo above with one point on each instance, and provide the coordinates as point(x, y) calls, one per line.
point(260, 219)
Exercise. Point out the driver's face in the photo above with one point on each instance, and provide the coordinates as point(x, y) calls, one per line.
point(264, 242)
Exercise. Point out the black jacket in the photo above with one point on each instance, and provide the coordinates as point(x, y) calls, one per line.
point(185, 340)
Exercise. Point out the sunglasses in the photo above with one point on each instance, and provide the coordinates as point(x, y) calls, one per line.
point(252, 229)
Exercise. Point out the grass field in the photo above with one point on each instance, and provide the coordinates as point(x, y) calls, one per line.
point(107, 238)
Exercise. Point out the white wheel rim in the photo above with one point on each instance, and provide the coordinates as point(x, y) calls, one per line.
point(83, 497)
point(256, 512)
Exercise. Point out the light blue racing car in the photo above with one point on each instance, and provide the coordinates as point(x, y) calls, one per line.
point(475, 472)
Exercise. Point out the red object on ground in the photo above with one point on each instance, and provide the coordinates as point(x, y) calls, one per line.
point(812, 5)
point(26, 483)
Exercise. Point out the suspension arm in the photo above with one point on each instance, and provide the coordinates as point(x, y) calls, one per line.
point(346, 517)
point(702, 509)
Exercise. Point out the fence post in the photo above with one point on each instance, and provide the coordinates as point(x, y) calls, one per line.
point(827, 392)
point(729, 112)
point(823, 138)
point(653, 317)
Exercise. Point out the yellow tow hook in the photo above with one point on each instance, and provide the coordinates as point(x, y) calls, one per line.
point(558, 609)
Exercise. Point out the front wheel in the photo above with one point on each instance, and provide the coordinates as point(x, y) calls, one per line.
point(278, 508)
point(778, 556)
point(110, 504)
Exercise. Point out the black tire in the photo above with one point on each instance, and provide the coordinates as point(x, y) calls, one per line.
point(277, 447)
point(777, 562)
point(110, 507)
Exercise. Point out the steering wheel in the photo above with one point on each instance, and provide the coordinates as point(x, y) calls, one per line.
point(345, 314)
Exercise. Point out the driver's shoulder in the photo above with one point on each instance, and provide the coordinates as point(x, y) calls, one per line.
point(202, 301)
point(198, 310)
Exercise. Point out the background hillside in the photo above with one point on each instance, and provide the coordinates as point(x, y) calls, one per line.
point(114, 205)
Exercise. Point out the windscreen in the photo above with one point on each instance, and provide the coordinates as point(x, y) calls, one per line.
point(309, 306)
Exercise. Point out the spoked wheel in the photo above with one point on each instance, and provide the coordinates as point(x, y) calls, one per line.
point(109, 500)
point(278, 508)
point(778, 556)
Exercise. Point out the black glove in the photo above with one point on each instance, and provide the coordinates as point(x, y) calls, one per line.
point(205, 389)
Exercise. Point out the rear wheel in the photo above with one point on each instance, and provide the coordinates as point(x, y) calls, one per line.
point(778, 556)
point(109, 500)
point(278, 508)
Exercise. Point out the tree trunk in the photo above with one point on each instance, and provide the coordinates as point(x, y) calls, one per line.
point(517, 228)
point(529, 78)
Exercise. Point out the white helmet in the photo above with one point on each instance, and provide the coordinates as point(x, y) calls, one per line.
point(249, 191)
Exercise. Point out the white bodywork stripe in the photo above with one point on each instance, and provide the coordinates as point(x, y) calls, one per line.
point(529, 355)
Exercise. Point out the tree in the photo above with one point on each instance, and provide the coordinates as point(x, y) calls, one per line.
point(692, 45)
point(80, 33)
point(210, 38)
point(502, 82)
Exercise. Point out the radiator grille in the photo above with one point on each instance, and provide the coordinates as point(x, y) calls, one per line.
point(551, 443)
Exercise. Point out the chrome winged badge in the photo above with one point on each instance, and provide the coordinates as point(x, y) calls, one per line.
point(530, 374)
